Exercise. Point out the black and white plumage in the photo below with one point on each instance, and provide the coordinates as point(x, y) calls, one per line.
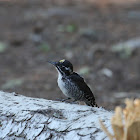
point(73, 85)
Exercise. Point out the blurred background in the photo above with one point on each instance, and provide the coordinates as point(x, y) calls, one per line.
point(100, 37)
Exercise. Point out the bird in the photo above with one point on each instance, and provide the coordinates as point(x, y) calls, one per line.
point(72, 85)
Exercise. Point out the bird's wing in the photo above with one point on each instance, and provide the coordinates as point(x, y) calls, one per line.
point(88, 95)
point(79, 81)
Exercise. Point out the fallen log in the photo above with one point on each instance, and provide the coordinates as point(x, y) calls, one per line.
point(40, 119)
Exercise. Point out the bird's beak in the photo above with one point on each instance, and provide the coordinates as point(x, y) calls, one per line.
point(53, 63)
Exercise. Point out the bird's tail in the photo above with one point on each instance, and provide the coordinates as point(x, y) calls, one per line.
point(96, 105)
point(92, 103)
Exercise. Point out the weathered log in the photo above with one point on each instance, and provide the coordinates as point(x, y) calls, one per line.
point(32, 118)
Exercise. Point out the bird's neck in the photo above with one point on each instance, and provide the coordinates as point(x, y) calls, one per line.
point(62, 74)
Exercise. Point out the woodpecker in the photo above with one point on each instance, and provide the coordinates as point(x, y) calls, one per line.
point(72, 84)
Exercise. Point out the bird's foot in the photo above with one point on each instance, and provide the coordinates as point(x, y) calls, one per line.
point(74, 102)
point(63, 100)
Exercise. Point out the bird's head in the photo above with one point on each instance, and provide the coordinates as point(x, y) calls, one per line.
point(64, 67)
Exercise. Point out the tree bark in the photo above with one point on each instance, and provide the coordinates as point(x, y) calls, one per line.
point(39, 119)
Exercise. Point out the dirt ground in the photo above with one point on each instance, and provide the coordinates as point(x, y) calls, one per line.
point(31, 33)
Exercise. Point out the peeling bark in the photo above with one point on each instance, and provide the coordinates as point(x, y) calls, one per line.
point(39, 119)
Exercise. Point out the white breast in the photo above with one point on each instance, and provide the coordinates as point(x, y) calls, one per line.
point(61, 84)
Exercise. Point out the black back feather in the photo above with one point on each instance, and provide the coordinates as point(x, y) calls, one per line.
point(80, 83)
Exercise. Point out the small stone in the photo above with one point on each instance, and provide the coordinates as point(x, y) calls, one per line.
point(107, 72)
